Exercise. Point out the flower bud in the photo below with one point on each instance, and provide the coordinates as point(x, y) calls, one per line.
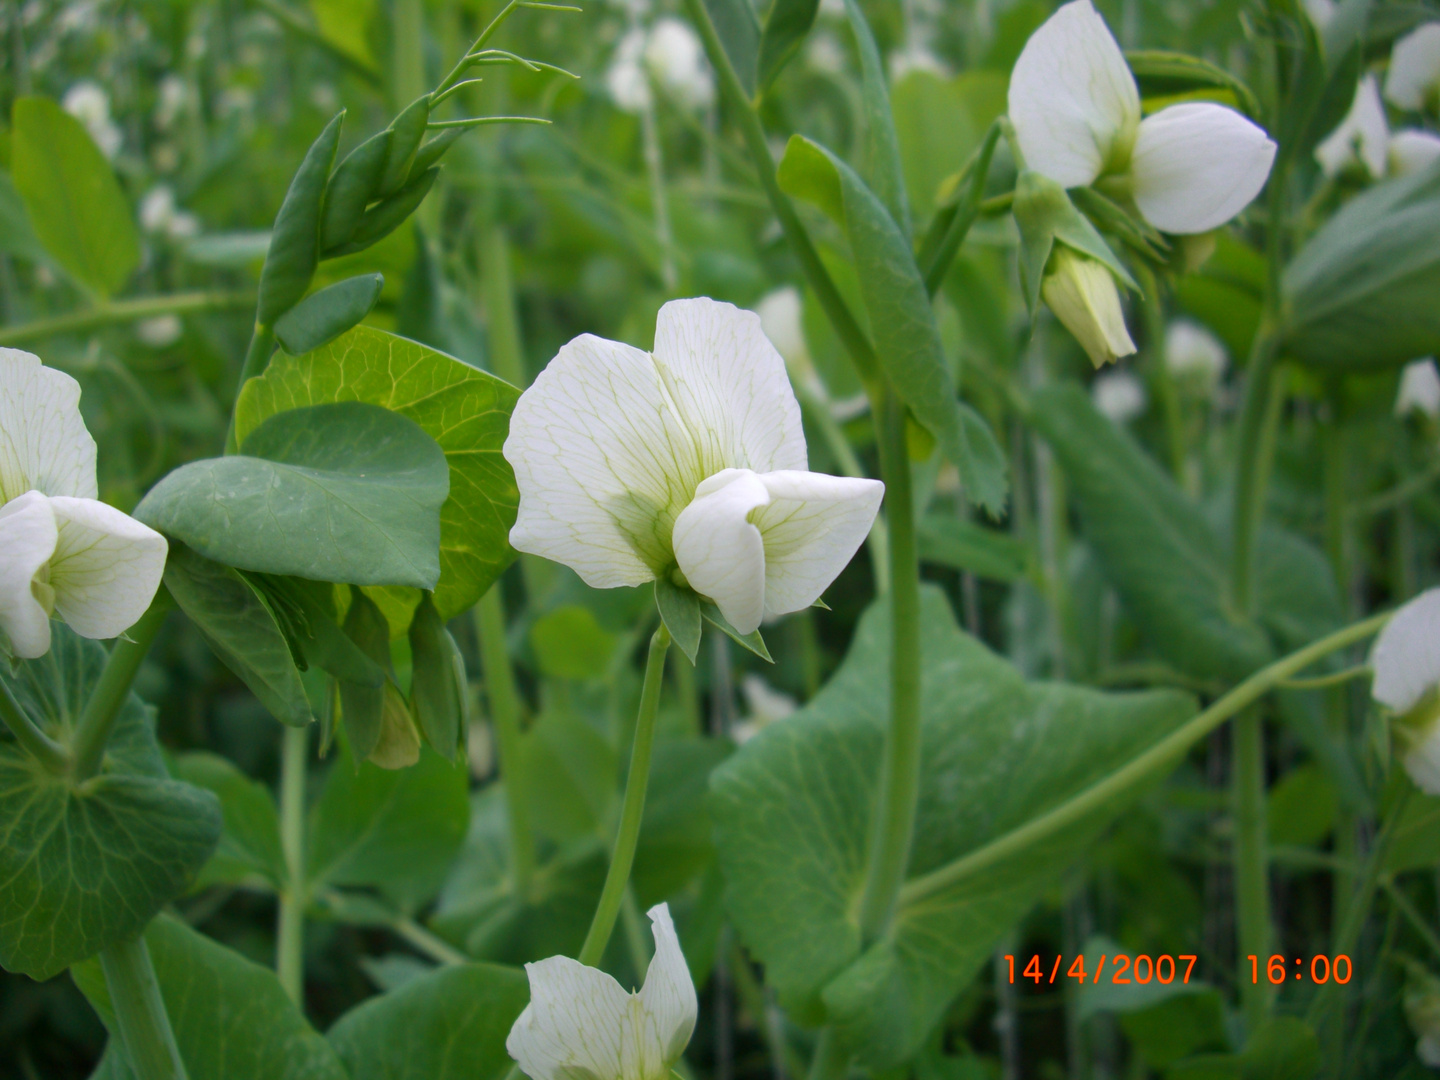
point(1082, 294)
point(376, 718)
point(437, 684)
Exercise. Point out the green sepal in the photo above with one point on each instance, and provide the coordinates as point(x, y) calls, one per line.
point(385, 217)
point(407, 130)
point(353, 188)
point(680, 612)
point(1044, 213)
point(432, 151)
point(820, 603)
point(437, 682)
point(295, 239)
point(323, 316)
point(1110, 216)
point(752, 641)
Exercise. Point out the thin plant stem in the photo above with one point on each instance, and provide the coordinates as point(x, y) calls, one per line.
point(140, 1011)
point(831, 1060)
point(1414, 918)
point(1321, 682)
point(659, 204)
point(432, 946)
point(633, 808)
point(889, 854)
point(290, 932)
point(119, 312)
point(106, 700)
point(1252, 865)
point(1161, 382)
point(53, 757)
point(504, 701)
point(1259, 412)
point(1161, 756)
point(936, 267)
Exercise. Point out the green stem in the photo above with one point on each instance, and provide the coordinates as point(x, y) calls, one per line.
point(124, 311)
point(890, 843)
point(1321, 682)
point(1252, 868)
point(53, 757)
point(290, 934)
point(504, 701)
point(659, 204)
point(633, 808)
point(1161, 756)
point(140, 1011)
point(1252, 465)
point(93, 730)
point(507, 357)
point(257, 356)
point(428, 943)
point(949, 246)
point(1161, 382)
point(1414, 918)
point(831, 1060)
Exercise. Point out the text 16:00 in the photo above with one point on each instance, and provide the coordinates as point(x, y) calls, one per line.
point(1319, 970)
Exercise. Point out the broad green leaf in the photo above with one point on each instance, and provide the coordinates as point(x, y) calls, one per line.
point(569, 643)
point(448, 1025)
point(323, 316)
point(250, 843)
point(792, 812)
point(346, 25)
point(881, 161)
point(786, 27)
point(739, 33)
point(395, 830)
point(906, 338)
point(17, 236)
point(1282, 1048)
point(87, 865)
point(344, 492)
point(1302, 807)
point(231, 1018)
point(238, 624)
point(1415, 836)
point(939, 123)
point(74, 201)
point(465, 410)
point(580, 768)
point(963, 545)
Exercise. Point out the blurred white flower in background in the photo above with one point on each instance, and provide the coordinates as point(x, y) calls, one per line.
point(1412, 150)
point(1320, 12)
point(1118, 395)
point(1363, 140)
point(916, 57)
point(62, 551)
point(1406, 661)
point(159, 214)
point(625, 78)
point(1413, 81)
point(581, 1023)
point(159, 332)
point(1194, 355)
point(1419, 389)
point(764, 706)
point(1076, 109)
point(823, 52)
point(169, 100)
point(88, 102)
point(675, 57)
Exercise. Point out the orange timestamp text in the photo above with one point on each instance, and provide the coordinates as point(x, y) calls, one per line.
point(1122, 969)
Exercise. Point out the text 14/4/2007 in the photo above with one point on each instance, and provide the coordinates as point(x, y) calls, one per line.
point(1122, 969)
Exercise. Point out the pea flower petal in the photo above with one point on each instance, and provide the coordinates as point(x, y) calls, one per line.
point(106, 568)
point(43, 442)
point(581, 1023)
point(27, 540)
point(1413, 81)
point(1406, 656)
point(1363, 137)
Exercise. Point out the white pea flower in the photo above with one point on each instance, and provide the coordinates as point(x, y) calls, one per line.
point(625, 78)
point(581, 1023)
point(1076, 109)
point(781, 312)
point(1413, 81)
point(687, 463)
point(1419, 389)
point(1406, 661)
point(1321, 12)
point(765, 706)
point(1412, 150)
point(61, 550)
point(159, 214)
point(1363, 137)
point(676, 59)
point(1193, 353)
point(160, 331)
point(170, 99)
point(89, 103)
point(1119, 396)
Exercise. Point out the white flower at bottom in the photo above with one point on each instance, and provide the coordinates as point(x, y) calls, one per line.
point(581, 1023)
point(1406, 661)
point(62, 551)
point(685, 463)
point(1419, 389)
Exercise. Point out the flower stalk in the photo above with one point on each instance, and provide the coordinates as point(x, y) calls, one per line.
point(290, 931)
point(53, 757)
point(140, 1012)
point(505, 715)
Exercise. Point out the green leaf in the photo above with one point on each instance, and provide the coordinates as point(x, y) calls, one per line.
point(465, 410)
point(294, 250)
point(88, 865)
point(74, 201)
point(250, 843)
point(238, 624)
point(1415, 836)
point(680, 612)
point(17, 236)
point(1302, 807)
point(323, 316)
point(231, 1018)
point(344, 492)
point(581, 769)
point(395, 830)
point(363, 703)
point(940, 122)
point(1282, 1048)
point(1166, 74)
point(448, 1025)
point(881, 162)
point(439, 689)
point(907, 340)
point(346, 25)
point(739, 33)
point(963, 545)
point(569, 643)
point(786, 27)
point(792, 814)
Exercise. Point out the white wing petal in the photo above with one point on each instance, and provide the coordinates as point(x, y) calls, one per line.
point(1422, 762)
point(1412, 150)
point(1406, 657)
point(1198, 165)
point(720, 552)
point(1414, 68)
point(668, 995)
point(812, 527)
point(43, 442)
point(1072, 98)
point(1363, 135)
point(27, 540)
point(602, 463)
point(575, 1021)
point(106, 568)
point(729, 386)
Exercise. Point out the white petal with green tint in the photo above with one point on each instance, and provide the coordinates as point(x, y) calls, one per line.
point(1363, 137)
point(27, 540)
point(720, 551)
point(1414, 76)
point(43, 442)
point(1406, 656)
point(106, 567)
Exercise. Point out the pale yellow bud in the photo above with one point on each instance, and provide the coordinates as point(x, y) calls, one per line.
point(1082, 294)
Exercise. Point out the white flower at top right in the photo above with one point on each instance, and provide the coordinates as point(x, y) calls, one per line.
point(1413, 81)
point(1075, 106)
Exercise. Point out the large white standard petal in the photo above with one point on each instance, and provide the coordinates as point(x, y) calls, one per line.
point(720, 551)
point(581, 1023)
point(43, 442)
point(1406, 656)
point(1072, 98)
point(812, 526)
point(106, 567)
point(1363, 136)
point(1197, 165)
point(27, 541)
point(1414, 72)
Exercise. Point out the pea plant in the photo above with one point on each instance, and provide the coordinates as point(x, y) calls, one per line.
point(823, 540)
